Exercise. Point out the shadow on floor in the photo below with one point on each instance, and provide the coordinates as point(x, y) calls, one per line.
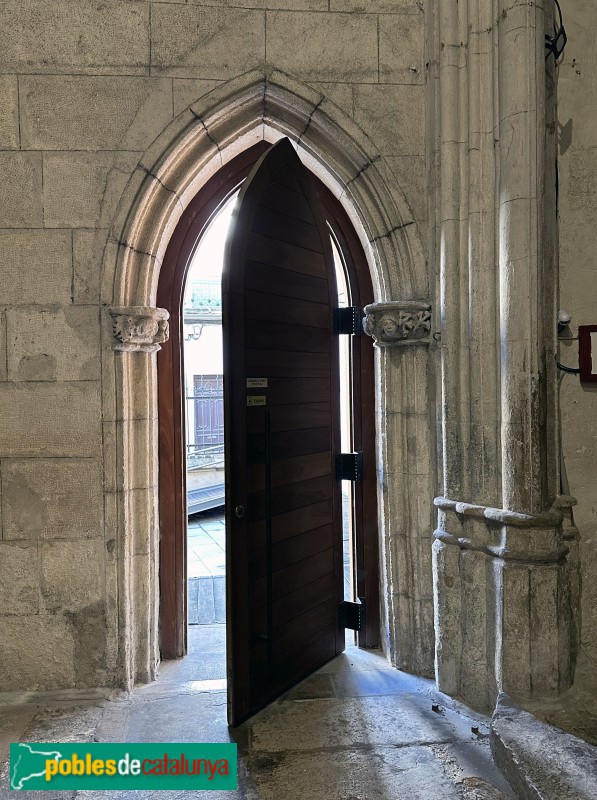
point(355, 730)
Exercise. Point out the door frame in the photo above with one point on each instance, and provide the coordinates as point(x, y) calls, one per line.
point(171, 408)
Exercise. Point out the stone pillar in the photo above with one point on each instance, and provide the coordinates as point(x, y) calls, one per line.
point(401, 330)
point(536, 618)
point(462, 43)
point(137, 333)
point(501, 584)
point(521, 130)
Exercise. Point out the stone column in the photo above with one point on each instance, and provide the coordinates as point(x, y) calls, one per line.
point(521, 102)
point(401, 330)
point(535, 659)
point(463, 123)
point(500, 581)
point(137, 334)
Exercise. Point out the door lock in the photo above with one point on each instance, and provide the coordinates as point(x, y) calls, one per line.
point(240, 512)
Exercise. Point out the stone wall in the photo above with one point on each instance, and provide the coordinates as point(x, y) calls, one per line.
point(577, 163)
point(85, 89)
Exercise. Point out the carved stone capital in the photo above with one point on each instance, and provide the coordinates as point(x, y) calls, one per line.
point(398, 323)
point(139, 329)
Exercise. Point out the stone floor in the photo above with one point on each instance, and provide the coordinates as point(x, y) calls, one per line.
point(206, 554)
point(206, 568)
point(355, 730)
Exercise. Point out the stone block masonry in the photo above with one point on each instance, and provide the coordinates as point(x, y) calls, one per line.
point(88, 37)
point(38, 501)
point(36, 266)
point(21, 203)
point(93, 113)
point(86, 90)
point(337, 47)
point(53, 343)
point(9, 123)
point(49, 418)
point(196, 41)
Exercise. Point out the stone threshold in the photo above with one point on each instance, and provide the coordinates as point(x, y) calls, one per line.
point(540, 761)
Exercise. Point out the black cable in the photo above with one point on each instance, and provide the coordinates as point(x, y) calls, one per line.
point(572, 370)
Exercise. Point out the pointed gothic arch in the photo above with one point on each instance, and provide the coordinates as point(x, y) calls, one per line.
point(197, 144)
point(222, 124)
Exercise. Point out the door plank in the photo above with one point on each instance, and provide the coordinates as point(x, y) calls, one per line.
point(289, 470)
point(275, 336)
point(295, 577)
point(284, 228)
point(289, 550)
point(288, 444)
point(275, 308)
point(287, 498)
point(292, 203)
point(310, 629)
point(310, 622)
point(300, 416)
point(279, 281)
point(287, 178)
point(287, 364)
point(293, 523)
point(291, 605)
point(286, 256)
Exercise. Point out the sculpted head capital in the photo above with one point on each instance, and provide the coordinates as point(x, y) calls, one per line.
point(398, 323)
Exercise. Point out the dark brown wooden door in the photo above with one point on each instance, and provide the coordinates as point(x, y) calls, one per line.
point(282, 424)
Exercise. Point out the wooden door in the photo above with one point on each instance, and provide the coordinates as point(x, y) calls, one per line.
point(282, 429)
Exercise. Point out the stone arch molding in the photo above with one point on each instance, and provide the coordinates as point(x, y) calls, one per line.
point(226, 121)
point(200, 141)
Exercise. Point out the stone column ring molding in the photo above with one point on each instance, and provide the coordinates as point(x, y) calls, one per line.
point(398, 323)
point(542, 545)
point(139, 329)
point(502, 516)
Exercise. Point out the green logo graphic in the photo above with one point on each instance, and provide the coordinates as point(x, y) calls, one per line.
point(38, 765)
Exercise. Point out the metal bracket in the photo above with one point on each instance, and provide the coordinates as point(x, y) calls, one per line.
point(349, 467)
point(347, 320)
point(352, 615)
point(555, 44)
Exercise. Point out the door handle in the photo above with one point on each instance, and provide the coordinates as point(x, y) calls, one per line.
point(239, 512)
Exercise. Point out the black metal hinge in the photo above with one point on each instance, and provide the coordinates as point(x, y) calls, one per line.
point(347, 320)
point(349, 467)
point(352, 615)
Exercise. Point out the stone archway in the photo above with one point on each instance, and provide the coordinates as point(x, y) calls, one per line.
point(195, 146)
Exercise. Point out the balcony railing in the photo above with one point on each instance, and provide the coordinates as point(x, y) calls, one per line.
point(205, 457)
point(203, 303)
